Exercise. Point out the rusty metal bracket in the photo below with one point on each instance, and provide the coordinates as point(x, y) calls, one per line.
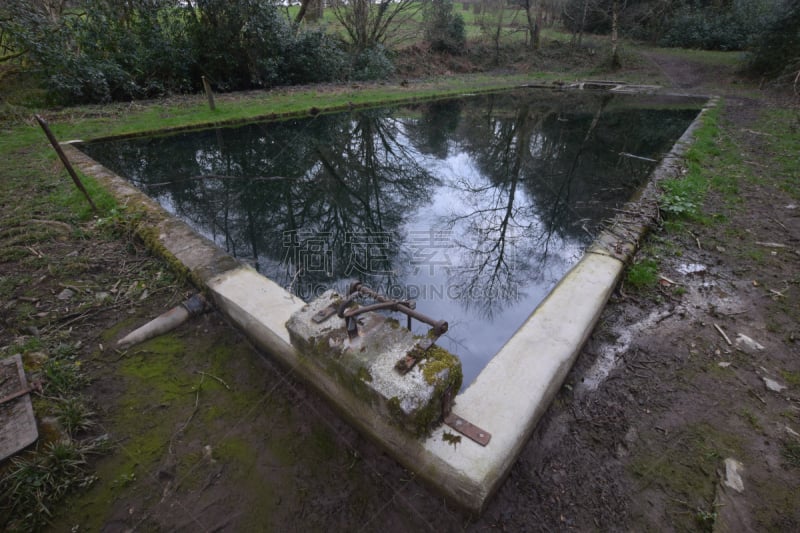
point(407, 307)
point(469, 430)
point(35, 386)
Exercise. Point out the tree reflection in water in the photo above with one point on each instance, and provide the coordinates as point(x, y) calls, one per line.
point(485, 201)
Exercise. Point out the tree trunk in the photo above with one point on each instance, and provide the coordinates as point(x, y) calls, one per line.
point(532, 30)
point(583, 22)
point(537, 37)
point(615, 62)
point(310, 10)
point(302, 13)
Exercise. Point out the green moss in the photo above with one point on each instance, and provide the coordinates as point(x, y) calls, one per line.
point(437, 360)
point(792, 378)
point(686, 466)
point(236, 450)
point(451, 438)
point(394, 408)
point(363, 374)
point(442, 370)
point(322, 445)
point(150, 237)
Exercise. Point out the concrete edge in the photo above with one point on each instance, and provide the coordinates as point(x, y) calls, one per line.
point(507, 398)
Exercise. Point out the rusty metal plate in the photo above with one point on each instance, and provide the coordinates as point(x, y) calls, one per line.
point(469, 430)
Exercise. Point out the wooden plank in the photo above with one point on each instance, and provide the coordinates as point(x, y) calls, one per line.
point(17, 420)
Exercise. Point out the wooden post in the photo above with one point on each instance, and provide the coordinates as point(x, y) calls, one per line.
point(57, 147)
point(207, 87)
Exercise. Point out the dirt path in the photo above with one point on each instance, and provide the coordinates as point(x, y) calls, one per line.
point(209, 435)
point(646, 447)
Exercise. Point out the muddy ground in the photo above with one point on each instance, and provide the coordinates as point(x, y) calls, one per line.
point(207, 434)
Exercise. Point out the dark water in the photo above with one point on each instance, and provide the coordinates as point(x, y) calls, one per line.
point(475, 207)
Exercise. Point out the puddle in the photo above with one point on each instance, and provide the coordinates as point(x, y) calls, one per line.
point(688, 269)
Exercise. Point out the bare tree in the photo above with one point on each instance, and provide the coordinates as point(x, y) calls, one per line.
point(493, 21)
point(371, 22)
point(615, 11)
point(309, 10)
point(53, 8)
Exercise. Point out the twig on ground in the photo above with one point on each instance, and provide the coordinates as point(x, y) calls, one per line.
point(213, 377)
point(724, 336)
point(697, 240)
point(759, 398)
point(778, 222)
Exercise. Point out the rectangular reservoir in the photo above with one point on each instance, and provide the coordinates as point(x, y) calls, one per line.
point(474, 207)
point(500, 213)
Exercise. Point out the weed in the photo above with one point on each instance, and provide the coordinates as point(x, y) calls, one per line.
point(752, 420)
point(792, 378)
point(65, 350)
point(791, 452)
point(62, 377)
point(118, 221)
point(34, 482)
point(678, 204)
point(30, 344)
point(74, 416)
point(705, 519)
point(643, 274)
point(784, 141)
point(124, 480)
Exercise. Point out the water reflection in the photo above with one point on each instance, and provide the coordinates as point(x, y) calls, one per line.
point(476, 207)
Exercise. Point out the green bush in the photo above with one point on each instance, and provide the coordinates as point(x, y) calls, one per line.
point(371, 64)
point(700, 26)
point(776, 49)
point(315, 56)
point(444, 29)
point(104, 51)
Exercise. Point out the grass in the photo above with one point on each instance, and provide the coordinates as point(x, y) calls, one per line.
point(683, 197)
point(74, 416)
point(791, 453)
point(708, 57)
point(782, 129)
point(642, 274)
point(34, 482)
point(686, 470)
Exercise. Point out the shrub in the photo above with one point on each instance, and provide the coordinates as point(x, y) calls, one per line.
point(315, 56)
point(145, 48)
point(717, 29)
point(444, 29)
point(371, 64)
point(776, 49)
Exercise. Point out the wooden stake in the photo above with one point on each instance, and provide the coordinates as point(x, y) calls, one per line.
point(57, 147)
point(207, 87)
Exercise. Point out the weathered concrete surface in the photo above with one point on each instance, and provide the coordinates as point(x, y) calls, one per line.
point(167, 236)
point(515, 388)
point(417, 400)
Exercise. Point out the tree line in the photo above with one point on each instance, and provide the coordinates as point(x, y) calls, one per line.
point(86, 51)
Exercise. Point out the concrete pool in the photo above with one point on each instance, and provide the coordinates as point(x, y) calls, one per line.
point(506, 397)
